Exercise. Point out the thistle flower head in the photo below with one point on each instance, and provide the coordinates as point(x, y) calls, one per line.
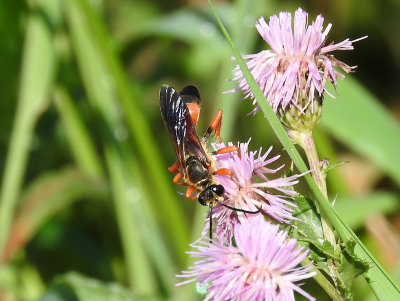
point(262, 265)
point(250, 188)
point(298, 65)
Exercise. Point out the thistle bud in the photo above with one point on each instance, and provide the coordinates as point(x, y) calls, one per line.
point(302, 116)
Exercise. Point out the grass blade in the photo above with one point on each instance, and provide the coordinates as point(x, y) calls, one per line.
point(32, 100)
point(80, 143)
point(141, 277)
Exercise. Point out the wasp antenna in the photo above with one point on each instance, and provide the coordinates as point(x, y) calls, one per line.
point(242, 210)
point(210, 230)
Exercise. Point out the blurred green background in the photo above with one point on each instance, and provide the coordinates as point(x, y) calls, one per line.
point(88, 210)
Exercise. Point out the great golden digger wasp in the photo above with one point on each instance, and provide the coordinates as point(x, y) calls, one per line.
point(195, 166)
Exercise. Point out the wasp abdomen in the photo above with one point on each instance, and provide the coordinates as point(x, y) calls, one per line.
point(195, 170)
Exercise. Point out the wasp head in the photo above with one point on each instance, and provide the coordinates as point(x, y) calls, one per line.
point(211, 194)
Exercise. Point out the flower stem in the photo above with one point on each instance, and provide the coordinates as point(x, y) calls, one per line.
point(306, 141)
point(325, 284)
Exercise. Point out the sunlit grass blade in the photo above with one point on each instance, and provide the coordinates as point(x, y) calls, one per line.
point(45, 197)
point(33, 98)
point(81, 145)
point(168, 209)
point(155, 242)
point(380, 282)
point(141, 278)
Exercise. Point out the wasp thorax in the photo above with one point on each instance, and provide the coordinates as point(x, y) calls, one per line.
point(210, 194)
point(196, 170)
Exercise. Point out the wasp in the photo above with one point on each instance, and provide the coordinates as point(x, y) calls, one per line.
point(195, 167)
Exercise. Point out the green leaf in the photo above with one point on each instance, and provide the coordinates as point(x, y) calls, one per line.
point(309, 228)
point(350, 267)
point(75, 287)
point(332, 166)
point(358, 119)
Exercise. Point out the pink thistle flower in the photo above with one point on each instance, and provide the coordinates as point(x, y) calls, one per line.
point(299, 63)
point(262, 265)
point(250, 189)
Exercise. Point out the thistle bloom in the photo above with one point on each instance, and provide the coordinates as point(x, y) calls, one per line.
point(250, 189)
point(295, 70)
point(262, 265)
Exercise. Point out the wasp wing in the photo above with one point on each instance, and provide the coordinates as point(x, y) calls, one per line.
point(179, 124)
point(172, 109)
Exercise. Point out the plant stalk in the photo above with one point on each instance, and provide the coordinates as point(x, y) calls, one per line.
point(306, 141)
point(324, 283)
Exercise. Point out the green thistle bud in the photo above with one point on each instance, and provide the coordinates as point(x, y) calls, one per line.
point(302, 117)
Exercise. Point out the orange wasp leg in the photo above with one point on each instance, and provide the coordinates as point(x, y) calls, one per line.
point(177, 177)
point(223, 171)
point(189, 192)
point(228, 149)
point(174, 167)
point(215, 126)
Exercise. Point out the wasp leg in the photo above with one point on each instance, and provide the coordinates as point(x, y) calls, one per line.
point(210, 230)
point(174, 167)
point(241, 210)
point(223, 171)
point(177, 177)
point(227, 149)
point(215, 126)
point(189, 192)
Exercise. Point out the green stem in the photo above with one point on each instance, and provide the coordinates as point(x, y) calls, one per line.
point(324, 283)
point(306, 141)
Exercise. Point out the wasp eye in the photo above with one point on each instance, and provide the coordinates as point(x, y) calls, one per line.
point(218, 189)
